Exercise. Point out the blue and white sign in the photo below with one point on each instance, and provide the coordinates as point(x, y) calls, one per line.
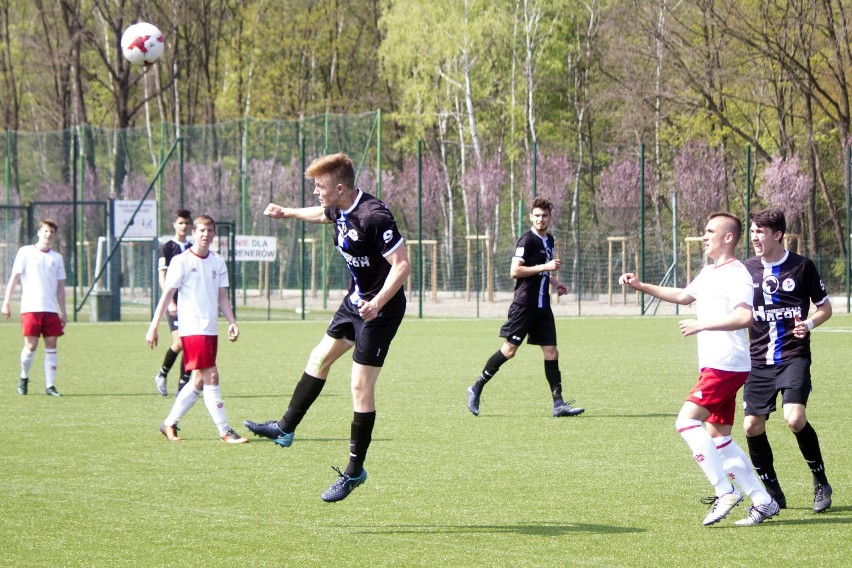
point(143, 226)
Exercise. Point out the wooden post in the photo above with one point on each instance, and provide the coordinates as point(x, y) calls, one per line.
point(434, 272)
point(623, 241)
point(790, 239)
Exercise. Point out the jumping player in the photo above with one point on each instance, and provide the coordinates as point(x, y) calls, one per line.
point(168, 250)
point(534, 269)
point(785, 284)
point(723, 297)
point(201, 277)
point(368, 317)
point(41, 273)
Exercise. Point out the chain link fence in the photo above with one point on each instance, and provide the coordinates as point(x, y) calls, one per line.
point(615, 211)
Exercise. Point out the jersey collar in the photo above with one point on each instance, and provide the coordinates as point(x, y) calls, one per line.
point(777, 262)
point(354, 203)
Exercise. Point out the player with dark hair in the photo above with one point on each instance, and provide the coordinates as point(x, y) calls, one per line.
point(41, 273)
point(723, 311)
point(168, 250)
point(785, 284)
point(368, 317)
point(201, 276)
point(534, 268)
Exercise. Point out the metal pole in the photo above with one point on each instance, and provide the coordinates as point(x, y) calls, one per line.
point(420, 223)
point(302, 240)
point(535, 170)
point(674, 246)
point(848, 222)
point(75, 251)
point(642, 220)
point(180, 159)
point(243, 199)
point(748, 201)
point(379, 154)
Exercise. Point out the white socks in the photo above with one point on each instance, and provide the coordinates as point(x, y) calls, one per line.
point(216, 408)
point(26, 362)
point(705, 453)
point(184, 401)
point(739, 468)
point(50, 360)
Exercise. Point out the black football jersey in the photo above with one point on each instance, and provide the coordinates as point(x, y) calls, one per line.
point(168, 250)
point(782, 290)
point(365, 234)
point(533, 250)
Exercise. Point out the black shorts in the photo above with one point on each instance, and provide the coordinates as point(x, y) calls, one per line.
point(525, 320)
point(372, 339)
point(173, 322)
point(792, 379)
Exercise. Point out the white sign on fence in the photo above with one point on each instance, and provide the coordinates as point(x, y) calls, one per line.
point(144, 226)
point(254, 248)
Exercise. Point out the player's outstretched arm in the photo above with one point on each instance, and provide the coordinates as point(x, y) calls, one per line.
point(314, 215)
point(665, 293)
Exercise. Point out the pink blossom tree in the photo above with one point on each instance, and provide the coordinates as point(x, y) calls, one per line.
point(618, 192)
point(785, 186)
point(554, 179)
point(491, 176)
point(701, 181)
point(400, 194)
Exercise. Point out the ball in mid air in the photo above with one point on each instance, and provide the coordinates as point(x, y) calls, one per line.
point(142, 43)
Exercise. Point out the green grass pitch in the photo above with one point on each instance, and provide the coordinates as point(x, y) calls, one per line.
point(87, 479)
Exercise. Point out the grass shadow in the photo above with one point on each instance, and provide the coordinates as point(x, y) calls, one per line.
point(525, 529)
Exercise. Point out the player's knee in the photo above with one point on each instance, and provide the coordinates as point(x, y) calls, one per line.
point(316, 362)
point(752, 428)
point(797, 422)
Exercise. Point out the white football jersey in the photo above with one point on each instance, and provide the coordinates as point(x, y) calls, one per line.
point(41, 272)
point(198, 280)
point(717, 290)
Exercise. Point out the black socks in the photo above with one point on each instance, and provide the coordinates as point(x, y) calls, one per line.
point(307, 390)
point(359, 441)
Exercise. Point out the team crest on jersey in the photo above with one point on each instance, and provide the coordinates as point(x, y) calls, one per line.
point(770, 284)
point(519, 251)
point(214, 275)
point(788, 285)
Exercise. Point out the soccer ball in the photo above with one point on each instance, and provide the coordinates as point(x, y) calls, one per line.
point(142, 44)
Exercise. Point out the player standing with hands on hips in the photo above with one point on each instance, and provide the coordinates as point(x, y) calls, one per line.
point(41, 273)
point(534, 269)
point(722, 292)
point(368, 317)
point(785, 284)
point(201, 277)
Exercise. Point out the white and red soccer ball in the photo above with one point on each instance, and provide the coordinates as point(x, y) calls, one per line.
point(142, 43)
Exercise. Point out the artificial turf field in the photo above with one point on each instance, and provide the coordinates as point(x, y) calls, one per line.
point(87, 479)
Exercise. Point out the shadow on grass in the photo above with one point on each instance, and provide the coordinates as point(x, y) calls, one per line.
point(527, 529)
